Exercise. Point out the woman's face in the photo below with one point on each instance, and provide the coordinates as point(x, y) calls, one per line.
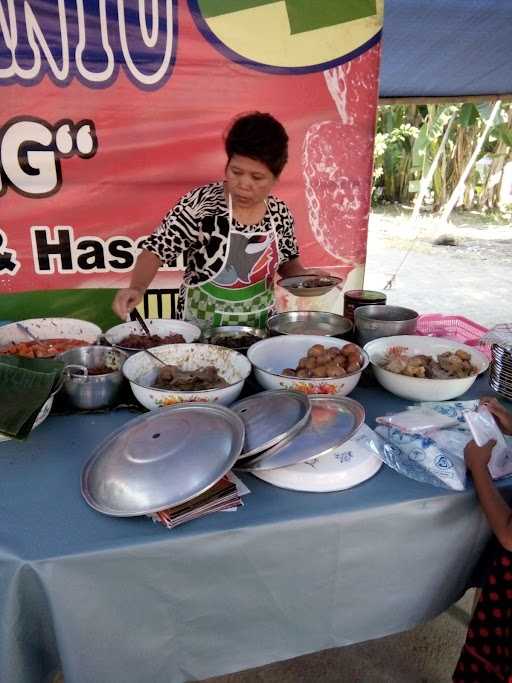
point(248, 181)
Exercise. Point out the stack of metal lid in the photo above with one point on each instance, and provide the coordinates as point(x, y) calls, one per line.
point(325, 423)
point(501, 370)
point(270, 418)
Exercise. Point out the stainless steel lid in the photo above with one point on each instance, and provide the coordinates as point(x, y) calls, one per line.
point(333, 421)
point(309, 322)
point(270, 417)
point(161, 459)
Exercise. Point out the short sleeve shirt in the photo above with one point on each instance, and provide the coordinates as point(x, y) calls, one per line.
point(198, 228)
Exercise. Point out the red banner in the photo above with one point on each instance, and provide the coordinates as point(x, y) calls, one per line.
point(110, 112)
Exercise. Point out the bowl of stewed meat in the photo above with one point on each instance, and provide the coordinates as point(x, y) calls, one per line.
point(131, 338)
point(309, 363)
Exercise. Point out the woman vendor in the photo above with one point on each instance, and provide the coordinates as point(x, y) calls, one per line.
point(236, 235)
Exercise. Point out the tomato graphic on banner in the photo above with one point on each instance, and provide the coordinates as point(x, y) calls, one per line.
point(112, 110)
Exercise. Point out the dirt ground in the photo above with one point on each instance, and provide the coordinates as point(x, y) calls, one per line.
point(471, 276)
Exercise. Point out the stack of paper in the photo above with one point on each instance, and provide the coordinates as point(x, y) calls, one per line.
point(224, 495)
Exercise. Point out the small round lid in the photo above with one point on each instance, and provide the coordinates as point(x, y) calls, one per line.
point(270, 417)
point(161, 459)
point(364, 295)
point(333, 421)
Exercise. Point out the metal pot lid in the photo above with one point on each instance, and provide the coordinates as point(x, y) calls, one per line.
point(161, 459)
point(270, 417)
point(333, 421)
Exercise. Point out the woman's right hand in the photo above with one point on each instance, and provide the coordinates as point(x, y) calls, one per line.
point(502, 415)
point(126, 300)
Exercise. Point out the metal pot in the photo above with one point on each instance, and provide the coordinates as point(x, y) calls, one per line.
point(373, 322)
point(89, 391)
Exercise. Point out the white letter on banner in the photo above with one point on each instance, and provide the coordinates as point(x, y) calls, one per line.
point(148, 41)
point(10, 33)
point(94, 76)
point(44, 162)
point(35, 36)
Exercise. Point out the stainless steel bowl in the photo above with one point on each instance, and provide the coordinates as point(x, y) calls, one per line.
point(376, 321)
point(214, 335)
point(86, 391)
point(309, 322)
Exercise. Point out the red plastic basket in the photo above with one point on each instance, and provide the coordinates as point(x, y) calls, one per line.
point(453, 327)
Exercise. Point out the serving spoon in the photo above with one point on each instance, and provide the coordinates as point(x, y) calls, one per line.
point(147, 331)
point(141, 322)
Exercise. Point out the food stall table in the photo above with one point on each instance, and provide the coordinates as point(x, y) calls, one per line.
point(115, 599)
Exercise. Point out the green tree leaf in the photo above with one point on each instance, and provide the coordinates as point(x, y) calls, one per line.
point(468, 115)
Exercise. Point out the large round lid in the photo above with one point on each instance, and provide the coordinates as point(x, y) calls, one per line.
point(333, 421)
point(270, 417)
point(161, 459)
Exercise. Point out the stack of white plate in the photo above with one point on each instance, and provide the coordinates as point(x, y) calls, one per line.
point(501, 370)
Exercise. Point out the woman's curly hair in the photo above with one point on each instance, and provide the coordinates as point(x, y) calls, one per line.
point(258, 136)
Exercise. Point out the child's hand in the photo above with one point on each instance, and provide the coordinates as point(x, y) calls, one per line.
point(477, 457)
point(502, 415)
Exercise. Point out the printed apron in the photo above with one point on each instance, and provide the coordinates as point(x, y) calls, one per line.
point(242, 293)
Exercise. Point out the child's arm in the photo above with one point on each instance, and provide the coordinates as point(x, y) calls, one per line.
point(498, 513)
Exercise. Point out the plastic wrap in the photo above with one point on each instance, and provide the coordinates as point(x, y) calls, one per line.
point(418, 419)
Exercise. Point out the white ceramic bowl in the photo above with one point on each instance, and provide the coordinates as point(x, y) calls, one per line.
point(141, 371)
point(271, 356)
point(50, 328)
point(417, 388)
point(159, 326)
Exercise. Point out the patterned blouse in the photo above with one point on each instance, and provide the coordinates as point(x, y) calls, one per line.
point(198, 228)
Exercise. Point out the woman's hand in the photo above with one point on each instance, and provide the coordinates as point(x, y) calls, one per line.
point(126, 300)
point(477, 457)
point(502, 415)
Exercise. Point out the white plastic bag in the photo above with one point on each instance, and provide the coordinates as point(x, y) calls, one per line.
point(436, 458)
point(483, 428)
point(418, 419)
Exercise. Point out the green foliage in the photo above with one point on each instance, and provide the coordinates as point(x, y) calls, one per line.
point(409, 136)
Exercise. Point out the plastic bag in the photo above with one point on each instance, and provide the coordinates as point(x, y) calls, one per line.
point(418, 419)
point(437, 458)
point(483, 428)
point(452, 409)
